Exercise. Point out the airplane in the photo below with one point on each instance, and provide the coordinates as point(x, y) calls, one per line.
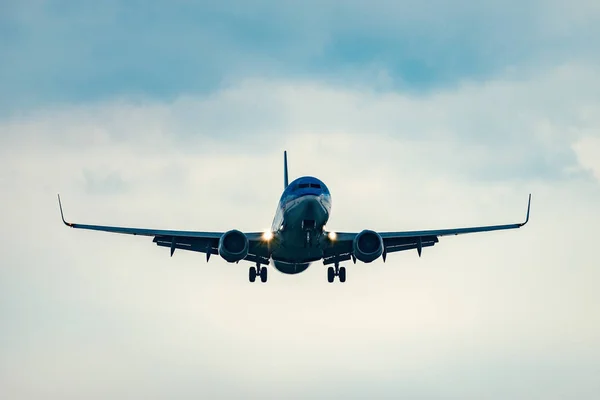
point(298, 236)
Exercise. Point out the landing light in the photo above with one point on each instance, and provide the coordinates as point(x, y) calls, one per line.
point(268, 235)
point(332, 236)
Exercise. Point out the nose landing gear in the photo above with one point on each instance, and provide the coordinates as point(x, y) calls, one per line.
point(308, 226)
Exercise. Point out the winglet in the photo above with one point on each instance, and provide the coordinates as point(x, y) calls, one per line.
point(61, 213)
point(528, 209)
point(285, 170)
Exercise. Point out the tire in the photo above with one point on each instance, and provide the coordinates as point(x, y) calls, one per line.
point(330, 274)
point(342, 274)
point(263, 274)
point(252, 274)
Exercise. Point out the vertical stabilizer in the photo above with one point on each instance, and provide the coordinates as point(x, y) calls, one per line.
point(285, 170)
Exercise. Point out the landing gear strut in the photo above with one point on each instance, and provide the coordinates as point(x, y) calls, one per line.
point(307, 241)
point(338, 271)
point(257, 271)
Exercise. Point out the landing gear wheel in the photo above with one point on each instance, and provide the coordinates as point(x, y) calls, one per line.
point(342, 274)
point(330, 274)
point(252, 274)
point(263, 274)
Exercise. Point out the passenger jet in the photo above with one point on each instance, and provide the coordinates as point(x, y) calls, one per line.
point(297, 236)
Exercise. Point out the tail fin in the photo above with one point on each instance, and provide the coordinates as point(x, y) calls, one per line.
point(285, 170)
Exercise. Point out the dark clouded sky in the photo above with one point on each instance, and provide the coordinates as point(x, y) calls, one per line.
point(416, 114)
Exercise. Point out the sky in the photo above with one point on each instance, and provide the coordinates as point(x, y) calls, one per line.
point(416, 114)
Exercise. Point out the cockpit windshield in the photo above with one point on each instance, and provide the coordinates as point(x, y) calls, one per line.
point(308, 185)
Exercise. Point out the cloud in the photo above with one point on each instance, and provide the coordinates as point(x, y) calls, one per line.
point(494, 315)
point(62, 51)
point(504, 129)
point(588, 153)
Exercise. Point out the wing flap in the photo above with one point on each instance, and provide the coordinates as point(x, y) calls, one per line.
point(206, 246)
point(337, 258)
point(393, 245)
point(200, 245)
point(257, 259)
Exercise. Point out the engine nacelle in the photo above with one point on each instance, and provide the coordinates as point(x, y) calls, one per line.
point(233, 246)
point(368, 246)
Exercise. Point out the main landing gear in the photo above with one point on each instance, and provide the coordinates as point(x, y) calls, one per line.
point(337, 271)
point(258, 271)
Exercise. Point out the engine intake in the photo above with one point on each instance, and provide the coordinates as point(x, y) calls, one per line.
point(368, 246)
point(233, 246)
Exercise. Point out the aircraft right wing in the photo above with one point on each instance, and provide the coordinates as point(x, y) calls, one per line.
point(203, 242)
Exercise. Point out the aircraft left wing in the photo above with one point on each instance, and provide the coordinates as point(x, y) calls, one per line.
point(341, 249)
point(203, 242)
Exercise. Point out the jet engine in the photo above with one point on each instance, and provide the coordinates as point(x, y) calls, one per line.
point(368, 246)
point(233, 246)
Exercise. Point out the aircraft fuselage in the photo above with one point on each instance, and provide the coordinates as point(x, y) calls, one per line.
point(302, 212)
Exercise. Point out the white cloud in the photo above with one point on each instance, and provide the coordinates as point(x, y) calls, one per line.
point(100, 315)
point(588, 153)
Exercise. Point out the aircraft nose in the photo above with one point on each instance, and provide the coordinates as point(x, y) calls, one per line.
point(315, 205)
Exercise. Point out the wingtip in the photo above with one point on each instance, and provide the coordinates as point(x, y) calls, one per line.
point(528, 210)
point(62, 216)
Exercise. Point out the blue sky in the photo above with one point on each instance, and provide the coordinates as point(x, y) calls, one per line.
point(417, 115)
point(73, 51)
